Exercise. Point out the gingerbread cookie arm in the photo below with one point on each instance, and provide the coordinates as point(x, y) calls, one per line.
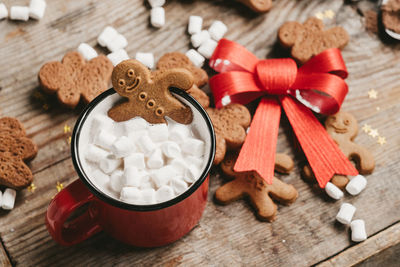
point(289, 32)
point(220, 149)
point(229, 192)
point(13, 172)
point(11, 126)
point(51, 76)
point(283, 163)
point(364, 160)
point(200, 96)
point(337, 37)
point(179, 78)
point(340, 181)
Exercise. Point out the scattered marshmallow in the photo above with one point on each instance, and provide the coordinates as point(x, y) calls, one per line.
point(107, 36)
point(3, 11)
point(217, 30)
point(358, 232)
point(346, 213)
point(105, 139)
point(132, 177)
point(87, 51)
point(164, 193)
point(207, 48)
point(191, 174)
point(146, 58)
point(171, 149)
point(122, 147)
point(156, 3)
point(95, 153)
point(157, 17)
point(109, 164)
point(200, 38)
point(195, 58)
point(100, 179)
point(119, 42)
point(118, 56)
point(155, 160)
point(178, 185)
point(146, 144)
point(195, 24)
point(37, 8)
point(356, 185)
point(158, 132)
point(133, 125)
point(19, 13)
point(178, 133)
point(8, 199)
point(333, 191)
point(162, 176)
point(193, 147)
point(135, 160)
point(131, 195)
point(116, 182)
point(148, 196)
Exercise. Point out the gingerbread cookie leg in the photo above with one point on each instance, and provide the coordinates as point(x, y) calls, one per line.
point(338, 180)
point(264, 206)
point(364, 160)
point(282, 192)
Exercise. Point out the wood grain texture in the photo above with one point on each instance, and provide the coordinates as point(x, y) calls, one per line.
point(303, 234)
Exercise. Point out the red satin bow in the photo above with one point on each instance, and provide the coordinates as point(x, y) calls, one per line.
point(317, 85)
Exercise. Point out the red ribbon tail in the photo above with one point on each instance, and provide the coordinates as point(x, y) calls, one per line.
point(259, 148)
point(323, 155)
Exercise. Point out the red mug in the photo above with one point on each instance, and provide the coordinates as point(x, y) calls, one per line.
point(139, 225)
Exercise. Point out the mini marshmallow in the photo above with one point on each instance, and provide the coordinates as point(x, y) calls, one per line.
point(118, 56)
point(195, 58)
point(19, 13)
point(164, 193)
point(135, 135)
point(148, 196)
point(135, 124)
point(146, 185)
point(146, 144)
point(200, 38)
point(178, 133)
point(109, 164)
point(157, 17)
point(358, 233)
point(146, 59)
point(333, 191)
point(207, 48)
point(193, 147)
point(197, 161)
point(178, 185)
point(179, 165)
point(158, 132)
point(87, 51)
point(217, 30)
point(116, 182)
point(3, 11)
point(132, 177)
point(162, 176)
point(105, 139)
point(156, 3)
point(119, 42)
point(195, 23)
point(101, 122)
point(131, 195)
point(346, 213)
point(135, 160)
point(100, 179)
point(8, 199)
point(106, 36)
point(37, 8)
point(155, 160)
point(171, 149)
point(122, 147)
point(191, 174)
point(356, 185)
point(95, 153)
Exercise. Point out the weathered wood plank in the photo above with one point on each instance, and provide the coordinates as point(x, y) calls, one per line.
point(4, 260)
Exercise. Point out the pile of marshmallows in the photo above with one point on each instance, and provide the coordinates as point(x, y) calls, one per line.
point(346, 212)
point(35, 11)
point(143, 163)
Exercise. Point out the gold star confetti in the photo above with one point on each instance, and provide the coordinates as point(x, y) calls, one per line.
point(59, 186)
point(32, 188)
point(366, 128)
point(69, 140)
point(319, 15)
point(374, 133)
point(45, 106)
point(372, 94)
point(381, 140)
point(67, 129)
point(329, 14)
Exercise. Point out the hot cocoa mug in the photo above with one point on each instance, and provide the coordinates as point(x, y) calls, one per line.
point(139, 225)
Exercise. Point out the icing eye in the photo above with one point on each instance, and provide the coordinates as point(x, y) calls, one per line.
point(121, 82)
point(142, 96)
point(160, 111)
point(151, 103)
point(130, 73)
point(346, 121)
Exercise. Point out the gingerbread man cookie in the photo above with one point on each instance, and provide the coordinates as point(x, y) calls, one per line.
point(148, 95)
point(15, 150)
point(249, 184)
point(179, 60)
point(260, 6)
point(343, 128)
point(230, 124)
point(309, 39)
point(74, 77)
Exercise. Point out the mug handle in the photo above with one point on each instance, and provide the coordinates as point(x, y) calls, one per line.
point(60, 208)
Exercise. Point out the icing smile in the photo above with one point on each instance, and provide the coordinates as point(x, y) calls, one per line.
point(134, 85)
point(339, 130)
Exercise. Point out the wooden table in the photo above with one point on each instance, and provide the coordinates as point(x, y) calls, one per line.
point(303, 234)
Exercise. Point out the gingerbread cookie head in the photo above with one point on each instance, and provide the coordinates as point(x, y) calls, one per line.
point(259, 6)
point(309, 39)
point(230, 124)
point(148, 95)
point(342, 124)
